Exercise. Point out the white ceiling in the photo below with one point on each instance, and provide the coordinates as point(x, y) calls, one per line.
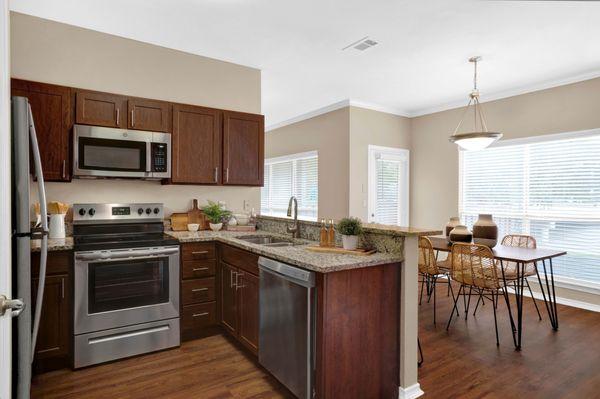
point(418, 66)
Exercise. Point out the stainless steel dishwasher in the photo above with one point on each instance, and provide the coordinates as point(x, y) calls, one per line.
point(287, 300)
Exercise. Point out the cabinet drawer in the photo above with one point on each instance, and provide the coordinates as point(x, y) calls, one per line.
point(245, 260)
point(57, 263)
point(197, 291)
point(198, 268)
point(196, 317)
point(198, 250)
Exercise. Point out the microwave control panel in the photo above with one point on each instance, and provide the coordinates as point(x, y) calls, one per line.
point(159, 157)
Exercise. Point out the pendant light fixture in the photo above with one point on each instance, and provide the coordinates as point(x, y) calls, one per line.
point(480, 137)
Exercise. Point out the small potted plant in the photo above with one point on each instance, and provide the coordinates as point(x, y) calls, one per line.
point(216, 215)
point(350, 229)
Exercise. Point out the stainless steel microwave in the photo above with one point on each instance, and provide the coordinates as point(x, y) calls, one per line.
point(108, 152)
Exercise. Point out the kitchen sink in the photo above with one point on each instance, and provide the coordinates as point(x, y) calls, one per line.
point(268, 241)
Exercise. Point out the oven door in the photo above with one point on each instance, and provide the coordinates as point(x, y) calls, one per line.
point(122, 287)
point(106, 152)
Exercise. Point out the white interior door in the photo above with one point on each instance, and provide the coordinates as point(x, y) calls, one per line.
point(5, 196)
point(388, 185)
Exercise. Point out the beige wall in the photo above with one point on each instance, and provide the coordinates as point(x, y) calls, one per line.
point(368, 127)
point(434, 160)
point(328, 134)
point(52, 52)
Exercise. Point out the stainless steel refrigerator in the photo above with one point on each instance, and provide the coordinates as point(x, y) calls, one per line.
point(24, 145)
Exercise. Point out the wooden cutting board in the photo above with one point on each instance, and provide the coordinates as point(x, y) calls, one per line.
point(196, 215)
point(179, 221)
point(337, 250)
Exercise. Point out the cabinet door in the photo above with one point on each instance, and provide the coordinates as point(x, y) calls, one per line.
point(149, 115)
point(243, 148)
point(100, 109)
point(228, 298)
point(52, 116)
point(248, 310)
point(196, 145)
point(53, 335)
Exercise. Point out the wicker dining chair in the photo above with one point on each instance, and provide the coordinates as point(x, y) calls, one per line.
point(510, 268)
point(474, 267)
point(430, 269)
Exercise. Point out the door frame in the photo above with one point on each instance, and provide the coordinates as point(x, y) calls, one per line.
point(403, 155)
point(5, 202)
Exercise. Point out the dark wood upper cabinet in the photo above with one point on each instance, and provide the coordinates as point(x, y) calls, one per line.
point(152, 115)
point(229, 319)
point(196, 145)
point(243, 148)
point(248, 310)
point(100, 109)
point(53, 119)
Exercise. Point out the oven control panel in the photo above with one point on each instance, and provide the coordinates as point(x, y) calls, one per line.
point(107, 213)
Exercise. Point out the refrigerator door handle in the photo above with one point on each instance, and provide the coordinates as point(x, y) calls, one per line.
point(44, 216)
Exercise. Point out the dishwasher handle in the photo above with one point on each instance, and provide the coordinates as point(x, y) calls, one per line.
point(299, 276)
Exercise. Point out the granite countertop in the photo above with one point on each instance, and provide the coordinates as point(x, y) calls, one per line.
point(296, 255)
point(399, 230)
point(54, 244)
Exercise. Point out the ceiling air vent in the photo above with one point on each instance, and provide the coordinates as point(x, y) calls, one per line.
point(361, 44)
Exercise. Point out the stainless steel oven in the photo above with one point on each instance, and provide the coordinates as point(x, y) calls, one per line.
point(126, 302)
point(108, 152)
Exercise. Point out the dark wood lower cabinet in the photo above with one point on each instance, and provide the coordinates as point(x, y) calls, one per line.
point(228, 299)
point(53, 348)
point(248, 310)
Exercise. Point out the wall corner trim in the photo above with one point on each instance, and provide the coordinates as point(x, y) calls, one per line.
point(411, 392)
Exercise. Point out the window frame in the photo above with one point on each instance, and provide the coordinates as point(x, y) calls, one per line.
point(561, 281)
point(402, 155)
point(291, 158)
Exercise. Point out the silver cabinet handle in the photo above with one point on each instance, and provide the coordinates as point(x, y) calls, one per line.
point(198, 269)
point(226, 175)
point(237, 284)
point(200, 289)
point(200, 314)
point(64, 169)
point(199, 252)
point(62, 287)
point(132, 118)
point(118, 112)
point(231, 277)
point(216, 174)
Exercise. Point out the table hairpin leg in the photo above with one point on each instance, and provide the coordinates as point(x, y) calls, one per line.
point(552, 309)
point(546, 301)
point(519, 294)
point(512, 322)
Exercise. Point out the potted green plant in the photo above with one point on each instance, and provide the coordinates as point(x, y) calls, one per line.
point(216, 215)
point(350, 229)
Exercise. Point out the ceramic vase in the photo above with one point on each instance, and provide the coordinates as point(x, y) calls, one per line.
point(215, 226)
point(350, 242)
point(485, 231)
point(460, 234)
point(452, 223)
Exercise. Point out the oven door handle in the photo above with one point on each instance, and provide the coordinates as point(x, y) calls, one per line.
point(135, 254)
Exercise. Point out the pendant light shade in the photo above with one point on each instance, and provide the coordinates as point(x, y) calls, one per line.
point(481, 137)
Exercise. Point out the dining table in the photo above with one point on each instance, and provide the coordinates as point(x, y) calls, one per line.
point(520, 257)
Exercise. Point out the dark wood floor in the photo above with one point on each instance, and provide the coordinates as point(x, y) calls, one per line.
point(461, 363)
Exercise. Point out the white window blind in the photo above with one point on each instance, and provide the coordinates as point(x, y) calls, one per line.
point(549, 189)
point(388, 185)
point(293, 175)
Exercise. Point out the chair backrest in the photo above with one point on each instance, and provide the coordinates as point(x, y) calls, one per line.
point(474, 264)
point(519, 240)
point(427, 262)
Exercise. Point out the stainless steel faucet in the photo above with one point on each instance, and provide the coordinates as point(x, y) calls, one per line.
point(293, 228)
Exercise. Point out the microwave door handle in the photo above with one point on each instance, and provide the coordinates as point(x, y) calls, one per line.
point(148, 157)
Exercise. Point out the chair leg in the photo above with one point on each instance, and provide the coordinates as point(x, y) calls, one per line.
point(495, 319)
point(434, 283)
point(454, 308)
point(429, 289)
point(534, 301)
point(449, 286)
point(422, 286)
point(480, 299)
point(452, 292)
point(468, 303)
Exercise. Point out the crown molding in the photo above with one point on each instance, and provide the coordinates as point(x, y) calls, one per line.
point(334, 107)
point(508, 93)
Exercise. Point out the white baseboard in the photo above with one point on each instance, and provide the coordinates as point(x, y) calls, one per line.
point(411, 392)
point(563, 301)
